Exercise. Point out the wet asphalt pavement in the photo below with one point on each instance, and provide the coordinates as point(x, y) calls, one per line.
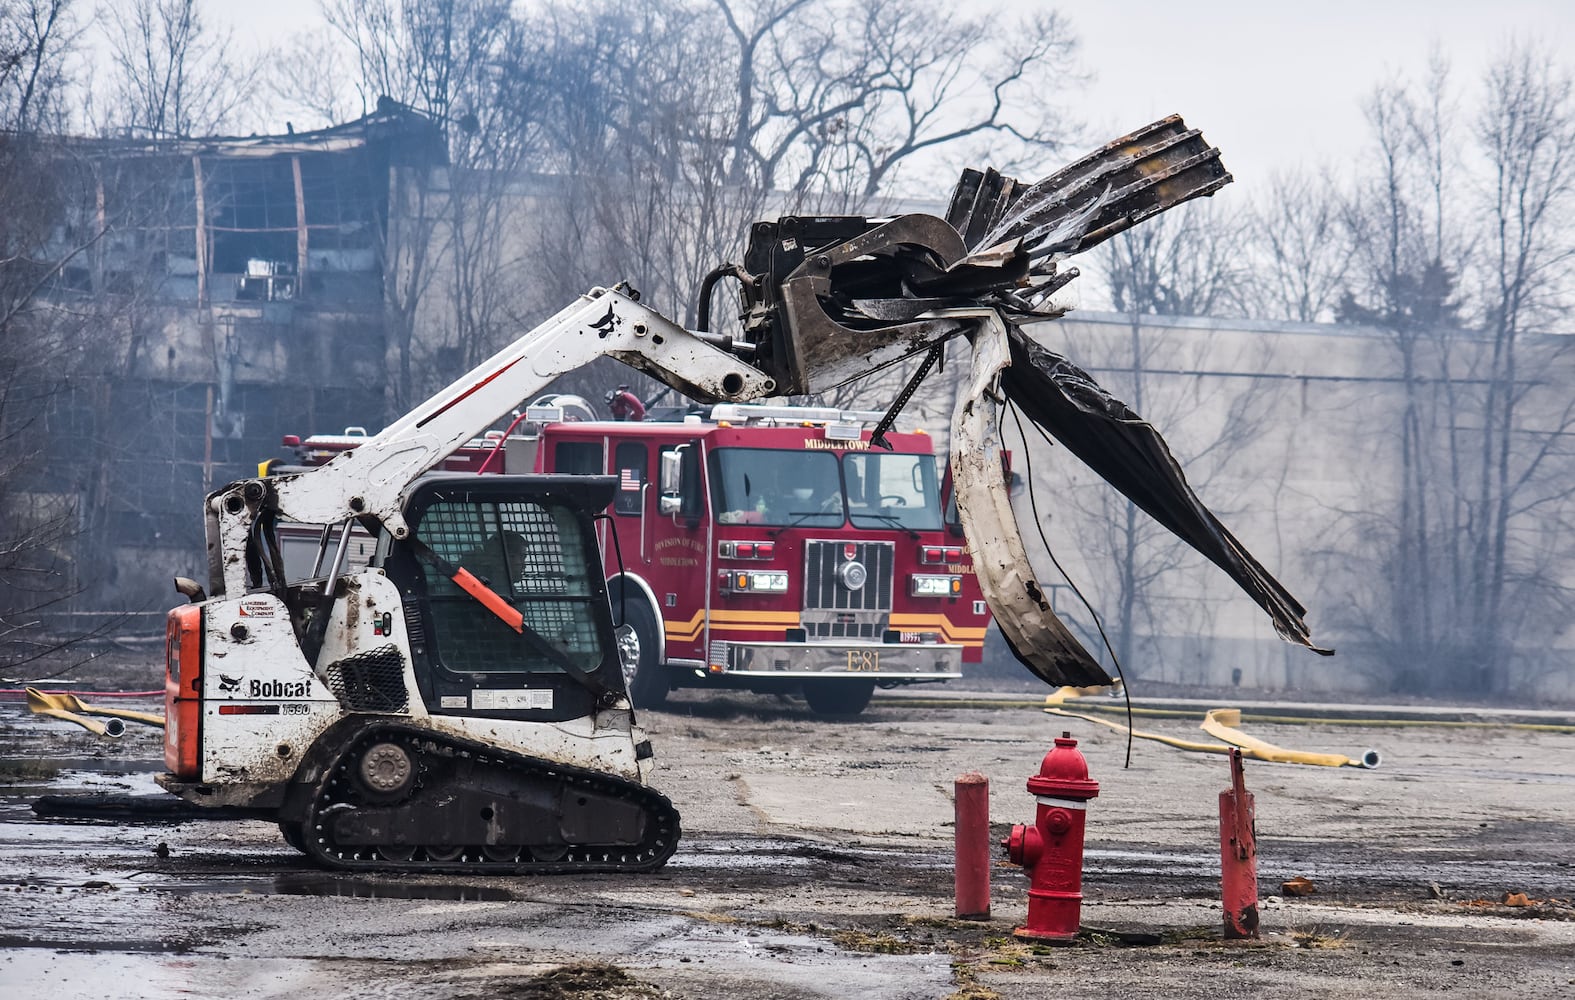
point(816, 863)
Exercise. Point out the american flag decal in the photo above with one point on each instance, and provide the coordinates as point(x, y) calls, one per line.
point(629, 480)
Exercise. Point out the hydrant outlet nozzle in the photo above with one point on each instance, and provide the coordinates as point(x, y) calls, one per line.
point(1023, 846)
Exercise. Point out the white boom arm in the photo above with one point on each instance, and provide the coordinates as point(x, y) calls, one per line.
point(373, 478)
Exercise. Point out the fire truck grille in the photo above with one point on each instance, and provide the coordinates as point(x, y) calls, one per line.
point(834, 611)
point(373, 681)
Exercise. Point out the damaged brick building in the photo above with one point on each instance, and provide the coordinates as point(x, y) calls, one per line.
point(231, 289)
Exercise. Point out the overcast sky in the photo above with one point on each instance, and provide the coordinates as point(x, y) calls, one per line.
point(1271, 83)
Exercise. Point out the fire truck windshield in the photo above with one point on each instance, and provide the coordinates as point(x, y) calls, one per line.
point(771, 486)
point(819, 490)
point(890, 490)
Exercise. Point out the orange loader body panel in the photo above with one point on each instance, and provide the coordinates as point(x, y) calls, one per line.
point(183, 692)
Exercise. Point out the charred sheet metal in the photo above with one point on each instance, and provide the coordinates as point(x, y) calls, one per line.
point(831, 298)
point(1037, 637)
point(1106, 192)
point(1129, 454)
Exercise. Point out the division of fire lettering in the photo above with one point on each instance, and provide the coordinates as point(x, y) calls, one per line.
point(667, 557)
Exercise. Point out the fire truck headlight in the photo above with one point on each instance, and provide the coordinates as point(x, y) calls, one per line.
point(931, 585)
point(768, 583)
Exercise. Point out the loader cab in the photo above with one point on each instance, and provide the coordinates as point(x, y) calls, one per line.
point(531, 541)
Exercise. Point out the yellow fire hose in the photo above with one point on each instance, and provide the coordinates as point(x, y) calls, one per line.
point(1066, 692)
point(1169, 741)
point(1220, 723)
point(1068, 695)
point(72, 709)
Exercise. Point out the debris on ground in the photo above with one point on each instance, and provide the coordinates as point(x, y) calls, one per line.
point(1301, 885)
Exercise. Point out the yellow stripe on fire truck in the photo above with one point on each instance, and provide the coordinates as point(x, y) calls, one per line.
point(772, 621)
point(965, 634)
point(749, 621)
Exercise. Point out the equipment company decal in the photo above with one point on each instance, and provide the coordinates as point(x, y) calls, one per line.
point(278, 689)
point(259, 609)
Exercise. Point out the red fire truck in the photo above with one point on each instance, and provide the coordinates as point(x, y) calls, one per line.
point(771, 548)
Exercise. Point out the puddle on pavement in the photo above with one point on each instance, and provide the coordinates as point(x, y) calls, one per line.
point(95, 973)
point(314, 884)
point(789, 855)
point(762, 962)
point(1481, 876)
point(96, 765)
point(19, 826)
point(306, 883)
point(80, 776)
point(1112, 862)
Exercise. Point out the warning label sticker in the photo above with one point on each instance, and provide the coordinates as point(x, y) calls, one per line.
point(501, 700)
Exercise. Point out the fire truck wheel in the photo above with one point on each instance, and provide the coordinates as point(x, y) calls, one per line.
point(648, 683)
point(838, 697)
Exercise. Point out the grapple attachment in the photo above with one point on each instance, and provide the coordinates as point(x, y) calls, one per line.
point(832, 299)
point(828, 299)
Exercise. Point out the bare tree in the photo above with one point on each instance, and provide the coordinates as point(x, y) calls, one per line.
point(671, 126)
point(855, 90)
point(1526, 129)
point(36, 36)
point(311, 81)
point(46, 342)
point(170, 73)
point(426, 54)
point(1184, 263)
point(1467, 564)
point(494, 144)
point(640, 141)
point(37, 525)
point(1301, 254)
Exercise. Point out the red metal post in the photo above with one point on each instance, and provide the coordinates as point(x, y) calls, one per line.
point(1052, 849)
point(1238, 855)
point(973, 846)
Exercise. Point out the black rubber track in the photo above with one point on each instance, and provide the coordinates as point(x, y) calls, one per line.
point(340, 791)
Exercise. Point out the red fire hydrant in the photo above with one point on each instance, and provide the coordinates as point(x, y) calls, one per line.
point(1052, 849)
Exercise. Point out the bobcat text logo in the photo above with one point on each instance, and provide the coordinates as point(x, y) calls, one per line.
point(279, 689)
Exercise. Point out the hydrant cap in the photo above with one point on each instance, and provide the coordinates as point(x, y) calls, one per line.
point(1064, 773)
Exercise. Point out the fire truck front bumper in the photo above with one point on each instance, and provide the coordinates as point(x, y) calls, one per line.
point(880, 662)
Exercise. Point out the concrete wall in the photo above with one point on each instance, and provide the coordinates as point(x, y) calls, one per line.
point(1285, 431)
